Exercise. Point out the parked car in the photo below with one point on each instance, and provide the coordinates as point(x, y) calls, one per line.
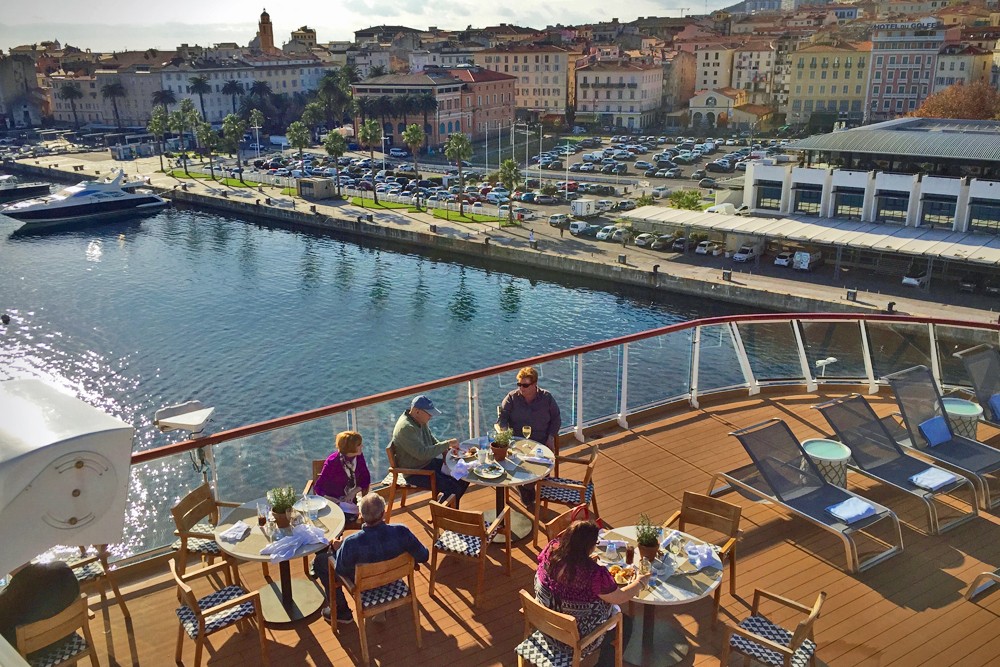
point(970, 282)
point(746, 253)
point(708, 183)
point(698, 174)
point(707, 248)
point(644, 240)
point(545, 199)
point(559, 220)
point(916, 277)
point(399, 152)
point(625, 205)
point(992, 286)
point(680, 244)
point(606, 232)
point(784, 258)
point(663, 242)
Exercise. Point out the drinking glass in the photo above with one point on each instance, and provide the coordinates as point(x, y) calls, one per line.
point(526, 432)
point(262, 510)
point(610, 552)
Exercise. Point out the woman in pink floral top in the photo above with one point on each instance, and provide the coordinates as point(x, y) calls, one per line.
point(569, 581)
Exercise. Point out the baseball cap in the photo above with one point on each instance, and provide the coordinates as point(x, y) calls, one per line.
point(423, 403)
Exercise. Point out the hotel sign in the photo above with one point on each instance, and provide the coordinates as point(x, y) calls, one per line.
point(907, 26)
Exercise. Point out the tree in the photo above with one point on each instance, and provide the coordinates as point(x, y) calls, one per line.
point(182, 119)
point(199, 85)
point(413, 137)
point(234, 89)
point(333, 97)
point(426, 103)
point(164, 98)
point(256, 122)
point(112, 91)
point(978, 101)
point(686, 199)
point(335, 146)
point(349, 75)
point(158, 124)
point(459, 149)
point(209, 141)
point(233, 129)
point(298, 136)
point(370, 135)
point(71, 92)
point(510, 176)
point(312, 116)
point(645, 200)
point(377, 70)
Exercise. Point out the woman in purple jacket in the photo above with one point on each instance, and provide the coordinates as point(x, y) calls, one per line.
point(345, 473)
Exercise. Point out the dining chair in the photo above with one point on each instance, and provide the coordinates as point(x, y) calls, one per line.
point(396, 480)
point(565, 490)
point(464, 534)
point(54, 641)
point(201, 617)
point(760, 639)
point(90, 567)
point(553, 638)
point(377, 587)
point(556, 526)
point(196, 516)
point(718, 516)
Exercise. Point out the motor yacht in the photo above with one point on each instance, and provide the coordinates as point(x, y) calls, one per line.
point(12, 189)
point(87, 201)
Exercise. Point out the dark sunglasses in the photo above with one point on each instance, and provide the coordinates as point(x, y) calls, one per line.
point(525, 384)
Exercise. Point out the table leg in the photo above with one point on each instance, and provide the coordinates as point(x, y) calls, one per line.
point(290, 600)
point(655, 644)
point(520, 524)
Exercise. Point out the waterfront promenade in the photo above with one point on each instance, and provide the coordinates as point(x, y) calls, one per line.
point(766, 286)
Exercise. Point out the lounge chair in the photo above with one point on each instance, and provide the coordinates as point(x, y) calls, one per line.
point(932, 435)
point(788, 477)
point(876, 454)
point(982, 363)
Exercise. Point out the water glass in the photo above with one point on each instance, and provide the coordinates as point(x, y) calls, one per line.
point(313, 513)
point(610, 552)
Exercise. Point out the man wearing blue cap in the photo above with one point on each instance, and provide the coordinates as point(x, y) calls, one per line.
point(414, 446)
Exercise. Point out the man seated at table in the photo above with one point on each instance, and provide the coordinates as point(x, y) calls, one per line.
point(36, 591)
point(414, 446)
point(532, 407)
point(376, 542)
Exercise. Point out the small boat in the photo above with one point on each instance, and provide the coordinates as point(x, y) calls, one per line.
point(87, 201)
point(12, 189)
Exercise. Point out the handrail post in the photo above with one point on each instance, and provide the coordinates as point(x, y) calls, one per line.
point(803, 360)
point(935, 361)
point(866, 354)
point(352, 420)
point(473, 397)
point(693, 371)
point(741, 356)
point(578, 431)
point(623, 405)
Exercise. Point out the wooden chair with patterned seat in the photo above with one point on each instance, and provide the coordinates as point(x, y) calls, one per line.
point(377, 587)
point(553, 639)
point(395, 479)
point(54, 641)
point(464, 534)
point(196, 516)
point(564, 490)
point(222, 608)
point(91, 568)
point(762, 640)
point(718, 516)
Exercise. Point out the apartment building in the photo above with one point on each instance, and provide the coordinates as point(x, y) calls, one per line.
point(831, 79)
point(903, 65)
point(449, 118)
point(542, 72)
point(962, 64)
point(488, 96)
point(715, 66)
point(619, 94)
point(754, 68)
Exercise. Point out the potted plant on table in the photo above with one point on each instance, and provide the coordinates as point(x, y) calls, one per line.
point(647, 537)
point(501, 443)
point(281, 499)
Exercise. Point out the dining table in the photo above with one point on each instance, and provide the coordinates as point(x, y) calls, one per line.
point(287, 600)
point(656, 641)
point(527, 462)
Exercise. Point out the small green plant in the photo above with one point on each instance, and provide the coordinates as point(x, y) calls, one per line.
point(281, 498)
point(646, 534)
point(503, 437)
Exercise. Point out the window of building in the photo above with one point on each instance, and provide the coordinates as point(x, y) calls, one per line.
point(938, 211)
point(807, 198)
point(875, 91)
point(891, 206)
point(769, 195)
point(984, 216)
point(848, 203)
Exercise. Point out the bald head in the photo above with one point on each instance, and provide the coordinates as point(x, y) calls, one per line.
point(372, 508)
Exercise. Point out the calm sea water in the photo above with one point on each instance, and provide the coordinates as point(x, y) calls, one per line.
point(261, 322)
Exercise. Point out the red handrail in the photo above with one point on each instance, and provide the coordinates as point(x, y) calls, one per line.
point(344, 406)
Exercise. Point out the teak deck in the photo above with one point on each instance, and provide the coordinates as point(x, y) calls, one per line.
point(906, 611)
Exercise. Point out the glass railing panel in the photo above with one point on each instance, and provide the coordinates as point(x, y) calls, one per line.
point(772, 350)
point(719, 365)
point(956, 339)
point(557, 377)
point(896, 346)
point(834, 340)
point(659, 369)
point(602, 372)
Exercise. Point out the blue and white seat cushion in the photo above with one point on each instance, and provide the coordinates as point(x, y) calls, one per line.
point(765, 628)
point(383, 594)
point(458, 543)
point(564, 496)
point(59, 652)
point(88, 572)
point(217, 621)
point(543, 651)
point(199, 545)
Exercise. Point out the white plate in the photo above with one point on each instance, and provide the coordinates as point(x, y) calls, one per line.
point(603, 557)
point(487, 472)
point(310, 504)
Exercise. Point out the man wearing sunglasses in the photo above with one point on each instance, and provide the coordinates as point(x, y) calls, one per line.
point(531, 406)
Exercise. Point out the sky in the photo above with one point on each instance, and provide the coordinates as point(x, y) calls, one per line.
point(102, 25)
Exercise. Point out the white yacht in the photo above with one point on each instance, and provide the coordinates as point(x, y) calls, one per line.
point(87, 201)
point(12, 189)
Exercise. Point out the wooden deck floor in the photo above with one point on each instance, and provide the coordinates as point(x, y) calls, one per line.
point(906, 611)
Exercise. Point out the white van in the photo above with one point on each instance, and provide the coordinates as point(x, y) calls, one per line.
point(497, 198)
point(560, 219)
point(575, 227)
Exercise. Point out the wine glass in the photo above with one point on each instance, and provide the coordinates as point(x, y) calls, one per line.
point(526, 432)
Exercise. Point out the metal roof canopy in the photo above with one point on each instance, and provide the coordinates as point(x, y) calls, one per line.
point(910, 241)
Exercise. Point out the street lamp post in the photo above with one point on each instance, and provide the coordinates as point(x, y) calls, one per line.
point(256, 129)
point(384, 139)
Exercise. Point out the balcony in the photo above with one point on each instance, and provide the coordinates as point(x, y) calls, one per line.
point(608, 85)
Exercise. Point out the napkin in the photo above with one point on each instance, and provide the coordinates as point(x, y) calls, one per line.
point(459, 469)
point(538, 459)
point(614, 544)
point(287, 547)
point(702, 556)
point(349, 508)
point(851, 510)
point(933, 479)
point(235, 533)
point(667, 538)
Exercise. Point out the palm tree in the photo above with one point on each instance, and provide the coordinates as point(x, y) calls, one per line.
point(180, 121)
point(332, 95)
point(366, 107)
point(261, 90)
point(157, 127)
point(349, 75)
point(335, 146)
point(164, 98)
point(378, 70)
point(208, 140)
point(459, 149)
point(71, 92)
point(234, 89)
point(370, 135)
point(298, 136)
point(413, 136)
point(112, 91)
point(312, 116)
point(426, 103)
point(510, 176)
point(199, 85)
point(383, 107)
point(233, 129)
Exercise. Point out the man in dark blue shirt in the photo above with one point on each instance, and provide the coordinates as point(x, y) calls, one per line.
point(376, 542)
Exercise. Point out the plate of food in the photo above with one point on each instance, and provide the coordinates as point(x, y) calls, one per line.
point(310, 504)
point(603, 556)
point(622, 575)
point(470, 453)
point(489, 470)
